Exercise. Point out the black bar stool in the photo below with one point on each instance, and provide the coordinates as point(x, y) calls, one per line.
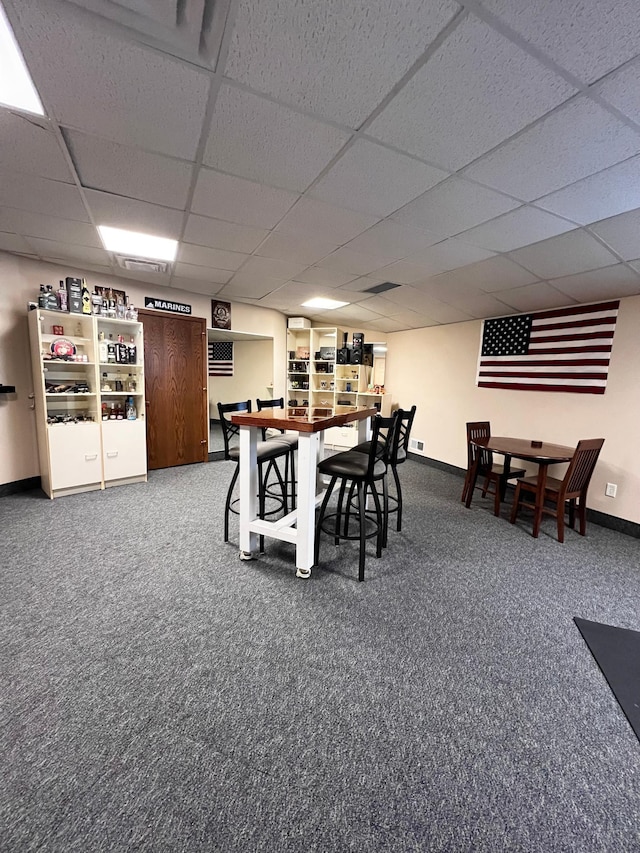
point(267, 451)
point(289, 438)
point(363, 471)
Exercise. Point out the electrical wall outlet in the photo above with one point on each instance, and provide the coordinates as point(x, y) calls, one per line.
point(611, 490)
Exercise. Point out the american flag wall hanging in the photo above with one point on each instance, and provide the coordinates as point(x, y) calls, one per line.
point(567, 349)
point(221, 358)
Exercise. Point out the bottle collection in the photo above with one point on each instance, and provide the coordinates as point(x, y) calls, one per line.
point(73, 296)
point(116, 411)
point(116, 352)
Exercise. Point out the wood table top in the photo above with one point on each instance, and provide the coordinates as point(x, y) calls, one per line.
point(278, 419)
point(523, 448)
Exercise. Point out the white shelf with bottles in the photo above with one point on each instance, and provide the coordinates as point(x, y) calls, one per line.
point(91, 432)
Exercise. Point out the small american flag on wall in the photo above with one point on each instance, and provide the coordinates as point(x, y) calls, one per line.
point(221, 358)
point(567, 349)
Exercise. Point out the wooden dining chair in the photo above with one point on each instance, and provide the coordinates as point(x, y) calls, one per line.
point(494, 477)
point(572, 488)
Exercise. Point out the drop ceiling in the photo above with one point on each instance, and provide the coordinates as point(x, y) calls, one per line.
point(485, 156)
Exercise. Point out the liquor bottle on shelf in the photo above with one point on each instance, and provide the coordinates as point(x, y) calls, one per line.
point(103, 349)
point(132, 414)
point(86, 298)
point(131, 384)
point(42, 298)
point(106, 385)
point(105, 412)
point(111, 350)
point(63, 300)
point(133, 352)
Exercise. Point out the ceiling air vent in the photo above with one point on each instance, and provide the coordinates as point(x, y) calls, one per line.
point(142, 264)
point(381, 288)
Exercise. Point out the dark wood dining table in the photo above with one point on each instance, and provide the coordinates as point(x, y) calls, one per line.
point(297, 526)
point(543, 453)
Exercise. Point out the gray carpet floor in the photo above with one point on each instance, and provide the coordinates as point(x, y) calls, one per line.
point(160, 695)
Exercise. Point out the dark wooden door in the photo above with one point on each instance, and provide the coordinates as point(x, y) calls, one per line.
point(175, 367)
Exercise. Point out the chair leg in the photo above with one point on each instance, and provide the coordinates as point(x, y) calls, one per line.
point(560, 517)
point(465, 485)
point(293, 478)
point(496, 498)
point(385, 511)
point(379, 520)
point(516, 504)
point(227, 505)
point(343, 486)
point(398, 496)
point(362, 503)
point(582, 515)
point(262, 487)
point(572, 513)
point(323, 508)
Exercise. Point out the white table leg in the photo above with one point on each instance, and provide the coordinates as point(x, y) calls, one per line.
point(308, 445)
point(248, 490)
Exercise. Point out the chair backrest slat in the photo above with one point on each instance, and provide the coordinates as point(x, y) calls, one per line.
point(476, 430)
point(229, 429)
point(581, 467)
point(277, 403)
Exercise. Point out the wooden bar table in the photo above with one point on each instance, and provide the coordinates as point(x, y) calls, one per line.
point(299, 525)
point(541, 452)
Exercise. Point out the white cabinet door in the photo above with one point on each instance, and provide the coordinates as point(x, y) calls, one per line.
point(74, 453)
point(124, 446)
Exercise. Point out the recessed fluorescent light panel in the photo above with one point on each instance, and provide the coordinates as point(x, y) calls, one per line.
point(138, 245)
point(16, 86)
point(321, 302)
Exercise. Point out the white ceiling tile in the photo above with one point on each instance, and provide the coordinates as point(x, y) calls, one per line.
point(453, 206)
point(390, 239)
point(493, 274)
point(381, 305)
point(374, 180)
point(286, 247)
point(437, 310)
point(621, 233)
point(352, 315)
point(535, 297)
point(146, 277)
point(114, 88)
point(223, 235)
point(613, 191)
point(250, 285)
point(204, 257)
point(340, 61)
point(324, 277)
point(245, 202)
point(40, 195)
point(480, 305)
point(114, 168)
point(476, 79)
point(49, 227)
point(569, 253)
point(345, 260)
point(272, 268)
point(364, 283)
point(198, 273)
point(14, 243)
point(622, 89)
point(27, 144)
point(54, 249)
point(606, 283)
point(192, 285)
point(119, 212)
point(389, 324)
point(515, 229)
point(449, 255)
point(317, 219)
point(576, 140)
point(257, 139)
point(405, 272)
point(409, 319)
point(587, 37)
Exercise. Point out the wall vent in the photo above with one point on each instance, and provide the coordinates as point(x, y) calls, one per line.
point(142, 264)
point(414, 444)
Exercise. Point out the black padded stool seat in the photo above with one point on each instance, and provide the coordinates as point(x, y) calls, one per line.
point(352, 464)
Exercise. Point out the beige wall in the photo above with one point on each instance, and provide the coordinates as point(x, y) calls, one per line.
point(20, 279)
point(252, 376)
point(435, 368)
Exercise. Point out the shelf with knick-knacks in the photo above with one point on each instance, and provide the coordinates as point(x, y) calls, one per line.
point(88, 380)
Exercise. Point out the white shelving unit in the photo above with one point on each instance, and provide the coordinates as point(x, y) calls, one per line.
point(322, 386)
point(85, 440)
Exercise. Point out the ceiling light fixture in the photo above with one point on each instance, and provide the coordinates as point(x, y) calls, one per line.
point(139, 245)
point(16, 86)
point(321, 302)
